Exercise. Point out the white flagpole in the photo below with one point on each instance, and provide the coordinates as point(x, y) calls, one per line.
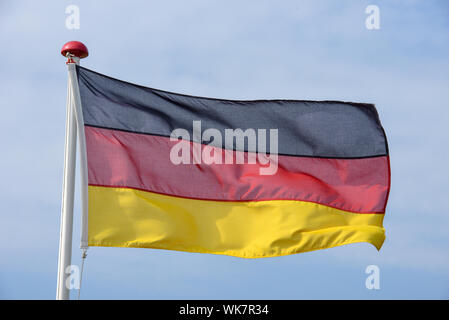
point(74, 51)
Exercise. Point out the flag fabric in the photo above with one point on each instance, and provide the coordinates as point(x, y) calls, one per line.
point(250, 179)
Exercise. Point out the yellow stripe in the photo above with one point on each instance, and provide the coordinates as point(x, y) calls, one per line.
point(121, 217)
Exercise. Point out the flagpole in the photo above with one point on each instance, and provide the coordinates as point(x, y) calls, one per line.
point(74, 51)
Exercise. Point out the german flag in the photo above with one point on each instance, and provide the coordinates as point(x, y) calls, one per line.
point(250, 179)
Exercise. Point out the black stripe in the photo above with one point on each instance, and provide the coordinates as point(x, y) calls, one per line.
point(322, 129)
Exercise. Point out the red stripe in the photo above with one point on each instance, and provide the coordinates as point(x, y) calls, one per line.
point(140, 161)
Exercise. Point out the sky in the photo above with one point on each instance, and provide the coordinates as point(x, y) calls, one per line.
point(308, 50)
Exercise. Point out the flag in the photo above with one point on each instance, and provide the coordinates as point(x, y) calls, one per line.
point(251, 179)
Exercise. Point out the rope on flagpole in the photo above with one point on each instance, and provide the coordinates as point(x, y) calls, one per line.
point(83, 258)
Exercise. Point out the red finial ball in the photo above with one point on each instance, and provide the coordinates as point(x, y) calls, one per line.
point(76, 48)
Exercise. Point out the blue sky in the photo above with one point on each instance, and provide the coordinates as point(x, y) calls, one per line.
point(238, 50)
